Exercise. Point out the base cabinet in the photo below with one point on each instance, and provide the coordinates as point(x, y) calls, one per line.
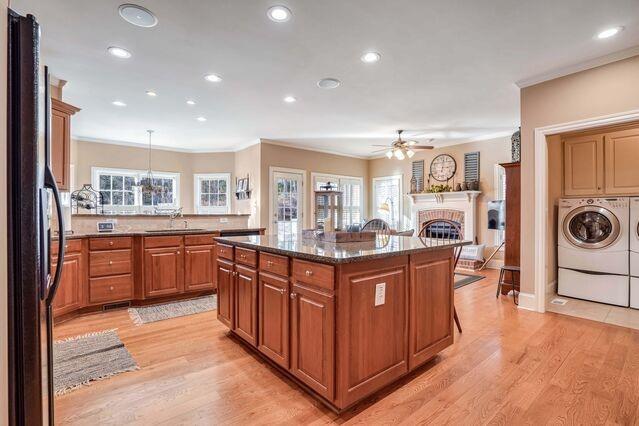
point(163, 271)
point(198, 268)
point(246, 303)
point(273, 318)
point(313, 339)
point(69, 295)
point(225, 296)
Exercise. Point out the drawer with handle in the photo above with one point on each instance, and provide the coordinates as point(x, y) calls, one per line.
point(198, 240)
point(246, 257)
point(112, 262)
point(110, 289)
point(110, 243)
point(71, 246)
point(224, 251)
point(316, 274)
point(274, 264)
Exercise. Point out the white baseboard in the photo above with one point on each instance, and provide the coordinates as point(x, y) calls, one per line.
point(527, 301)
point(551, 288)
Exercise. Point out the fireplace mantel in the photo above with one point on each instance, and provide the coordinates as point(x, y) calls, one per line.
point(441, 197)
point(460, 201)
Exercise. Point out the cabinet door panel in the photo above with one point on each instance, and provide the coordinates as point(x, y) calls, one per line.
point(622, 152)
point(312, 339)
point(198, 268)
point(431, 307)
point(246, 304)
point(225, 292)
point(60, 146)
point(69, 295)
point(273, 320)
point(163, 271)
point(583, 165)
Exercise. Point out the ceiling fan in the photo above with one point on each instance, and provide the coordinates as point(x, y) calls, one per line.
point(402, 148)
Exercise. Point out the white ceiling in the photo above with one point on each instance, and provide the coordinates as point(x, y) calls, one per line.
point(448, 67)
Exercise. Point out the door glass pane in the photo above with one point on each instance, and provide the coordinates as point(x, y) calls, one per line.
point(590, 227)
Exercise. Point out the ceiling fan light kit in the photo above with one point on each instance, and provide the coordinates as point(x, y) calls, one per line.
point(402, 149)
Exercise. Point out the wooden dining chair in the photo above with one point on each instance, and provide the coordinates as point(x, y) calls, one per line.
point(447, 230)
point(378, 226)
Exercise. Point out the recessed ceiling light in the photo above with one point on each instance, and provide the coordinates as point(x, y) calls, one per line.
point(609, 32)
point(119, 52)
point(151, 93)
point(370, 57)
point(137, 15)
point(119, 103)
point(213, 78)
point(289, 99)
point(279, 13)
point(328, 83)
point(201, 119)
point(190, 102)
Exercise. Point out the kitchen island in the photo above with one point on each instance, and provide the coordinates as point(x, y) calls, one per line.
point(342, 320)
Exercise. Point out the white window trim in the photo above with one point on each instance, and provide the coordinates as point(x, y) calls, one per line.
point(271, 175)
point(95, 182)
point(499, 236)
point(400, 220)
point(315, 175)
point(196, 194)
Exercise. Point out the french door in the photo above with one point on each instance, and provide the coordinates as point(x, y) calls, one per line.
point(288, 204)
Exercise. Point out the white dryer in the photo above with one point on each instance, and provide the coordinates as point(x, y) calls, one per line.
point(592, 249)
point(634, 252)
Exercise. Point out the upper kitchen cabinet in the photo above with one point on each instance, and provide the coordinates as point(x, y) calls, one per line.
point(61, 113)
point(621, 171)
point(584, 165)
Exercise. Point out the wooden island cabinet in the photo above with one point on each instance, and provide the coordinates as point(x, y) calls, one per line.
point(344, 320)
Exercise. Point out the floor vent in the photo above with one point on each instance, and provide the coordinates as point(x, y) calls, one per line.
point(116, 306)
point(560, 302)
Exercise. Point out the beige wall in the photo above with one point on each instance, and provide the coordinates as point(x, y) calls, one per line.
point(85, 155)
point(247, 163)
point(609, 89)
point(310, 161)
point(493, 151)
point(4, 347)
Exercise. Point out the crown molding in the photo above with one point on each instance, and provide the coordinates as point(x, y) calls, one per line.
point(581, 66)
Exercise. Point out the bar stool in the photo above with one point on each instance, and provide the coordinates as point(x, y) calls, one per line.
point(515, 285)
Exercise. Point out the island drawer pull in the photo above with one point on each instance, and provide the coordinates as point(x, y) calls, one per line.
point(269, 263)
point(309, 272)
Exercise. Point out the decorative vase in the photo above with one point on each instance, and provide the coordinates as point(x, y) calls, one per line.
point(515, 146)
point(458, 187)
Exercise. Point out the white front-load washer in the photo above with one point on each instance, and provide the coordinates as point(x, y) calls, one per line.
point(634, 252)
point(592, 249)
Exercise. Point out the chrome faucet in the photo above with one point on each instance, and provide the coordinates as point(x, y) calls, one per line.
point(175, 213)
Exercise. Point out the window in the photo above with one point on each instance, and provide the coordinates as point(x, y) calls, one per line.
point(500, 194)
point(352, 197)
point(387, 199)
point(121, 195)
point(212, 193)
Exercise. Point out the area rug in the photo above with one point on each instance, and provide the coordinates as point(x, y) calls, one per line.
point(465, 279)
point(146, 314)
point(82, 359)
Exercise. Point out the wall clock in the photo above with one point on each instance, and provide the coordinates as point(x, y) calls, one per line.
point(443, 167)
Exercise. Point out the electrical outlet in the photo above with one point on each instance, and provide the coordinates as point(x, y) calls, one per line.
point(380, 294)
point(224, 220)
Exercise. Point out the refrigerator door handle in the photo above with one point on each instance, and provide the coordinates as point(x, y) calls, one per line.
point(49, 182)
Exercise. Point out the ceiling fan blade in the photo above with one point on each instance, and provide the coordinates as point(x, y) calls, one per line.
point(379, 150)
point(421, 147)
point(382, 145)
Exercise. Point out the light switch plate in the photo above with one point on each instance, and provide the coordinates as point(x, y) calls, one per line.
point(380, 294)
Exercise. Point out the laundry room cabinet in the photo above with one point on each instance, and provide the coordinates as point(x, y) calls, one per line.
point(601, 164)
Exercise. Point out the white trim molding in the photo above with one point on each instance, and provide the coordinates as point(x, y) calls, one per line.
point(541, 193)
point(528, 302)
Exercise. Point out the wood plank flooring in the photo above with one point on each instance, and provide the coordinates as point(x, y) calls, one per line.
point(509, 367)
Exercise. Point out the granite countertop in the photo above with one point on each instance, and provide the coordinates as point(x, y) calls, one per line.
point(319, 251)
point(161, 216)
point(151, 233)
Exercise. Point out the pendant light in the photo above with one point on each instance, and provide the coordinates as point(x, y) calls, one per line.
point(148, 184)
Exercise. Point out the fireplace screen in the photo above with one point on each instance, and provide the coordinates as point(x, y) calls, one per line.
point(443, 230)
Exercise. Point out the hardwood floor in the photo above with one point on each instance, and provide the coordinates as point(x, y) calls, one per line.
point(509, 366)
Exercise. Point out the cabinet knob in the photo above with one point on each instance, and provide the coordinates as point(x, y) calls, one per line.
point(269, 263)
point(66, 246)
point(282, 291)
point(242, 256)
point(111, 288)
point(309, 273)
point(110, 243)
point(110, 262)
point(178, 252)
point(293, 295)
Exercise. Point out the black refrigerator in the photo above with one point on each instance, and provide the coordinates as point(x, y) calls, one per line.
point(33, 199)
